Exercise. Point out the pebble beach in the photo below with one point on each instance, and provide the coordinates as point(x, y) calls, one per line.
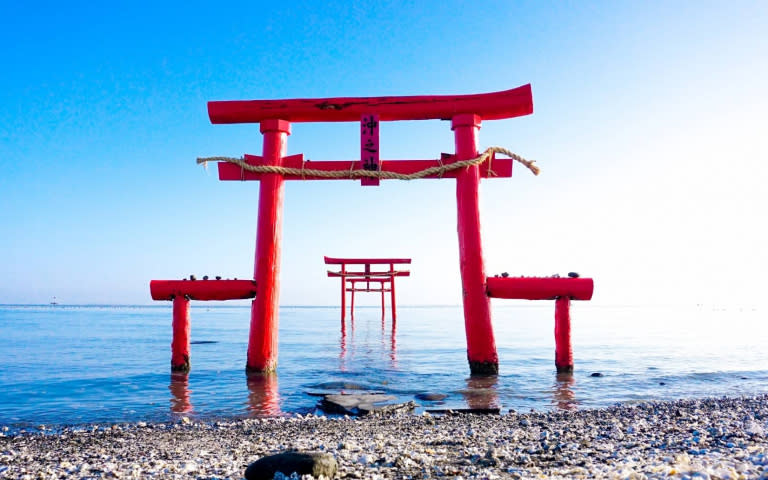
point(718, 438)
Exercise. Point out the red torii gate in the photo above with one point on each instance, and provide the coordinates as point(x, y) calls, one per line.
point(466, 113)
point(367, 276)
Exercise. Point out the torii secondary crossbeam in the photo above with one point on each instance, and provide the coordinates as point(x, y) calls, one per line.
point(369, 274)
point(273, 167)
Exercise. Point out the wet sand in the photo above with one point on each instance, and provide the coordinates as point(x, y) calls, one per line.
point(712, 438)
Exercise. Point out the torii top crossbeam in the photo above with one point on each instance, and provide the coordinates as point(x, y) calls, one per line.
point(511, 103)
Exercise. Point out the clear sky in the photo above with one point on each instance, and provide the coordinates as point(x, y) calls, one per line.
point(649, 126)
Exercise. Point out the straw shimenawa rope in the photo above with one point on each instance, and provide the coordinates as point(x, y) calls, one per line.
point(487, 155)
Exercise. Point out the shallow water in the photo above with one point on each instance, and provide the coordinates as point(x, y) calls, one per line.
point(74, 364)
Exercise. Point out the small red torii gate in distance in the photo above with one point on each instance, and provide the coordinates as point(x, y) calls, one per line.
point(273, 167)
point(367, 276)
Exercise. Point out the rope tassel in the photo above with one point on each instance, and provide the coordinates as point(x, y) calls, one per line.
point(487, 155)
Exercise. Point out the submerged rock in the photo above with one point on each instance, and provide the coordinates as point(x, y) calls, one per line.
point(301, 463)
point(339, 386)
point(431, 397)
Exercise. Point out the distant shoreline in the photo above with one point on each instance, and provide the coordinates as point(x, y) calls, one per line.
point(717, 437)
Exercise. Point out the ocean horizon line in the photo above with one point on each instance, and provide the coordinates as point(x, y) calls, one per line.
point(528, 304)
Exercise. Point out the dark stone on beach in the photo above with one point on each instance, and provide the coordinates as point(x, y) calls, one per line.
point(597, 374)
point(309, 463)
point(364, 404)
point(431, 397)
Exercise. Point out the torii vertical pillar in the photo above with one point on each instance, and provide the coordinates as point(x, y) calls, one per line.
point(344, 295)
point(563, 348)
point(180, 342)
point(262, 341)
point(481, 345)
point(391, 295)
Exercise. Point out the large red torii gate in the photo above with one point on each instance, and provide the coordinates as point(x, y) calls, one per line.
point(466, 113)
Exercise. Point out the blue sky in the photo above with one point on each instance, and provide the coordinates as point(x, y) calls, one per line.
point(648, 125)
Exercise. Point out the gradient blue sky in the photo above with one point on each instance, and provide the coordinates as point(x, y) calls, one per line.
point(649, 126)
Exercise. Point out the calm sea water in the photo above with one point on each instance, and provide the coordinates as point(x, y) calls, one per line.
point(76, 364)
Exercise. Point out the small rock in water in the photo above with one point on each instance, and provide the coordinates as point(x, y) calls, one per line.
point(597, 374)
point(431, 397)
point(301, 463)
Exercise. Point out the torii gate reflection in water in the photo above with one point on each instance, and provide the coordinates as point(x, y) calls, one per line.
point(466, 113)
